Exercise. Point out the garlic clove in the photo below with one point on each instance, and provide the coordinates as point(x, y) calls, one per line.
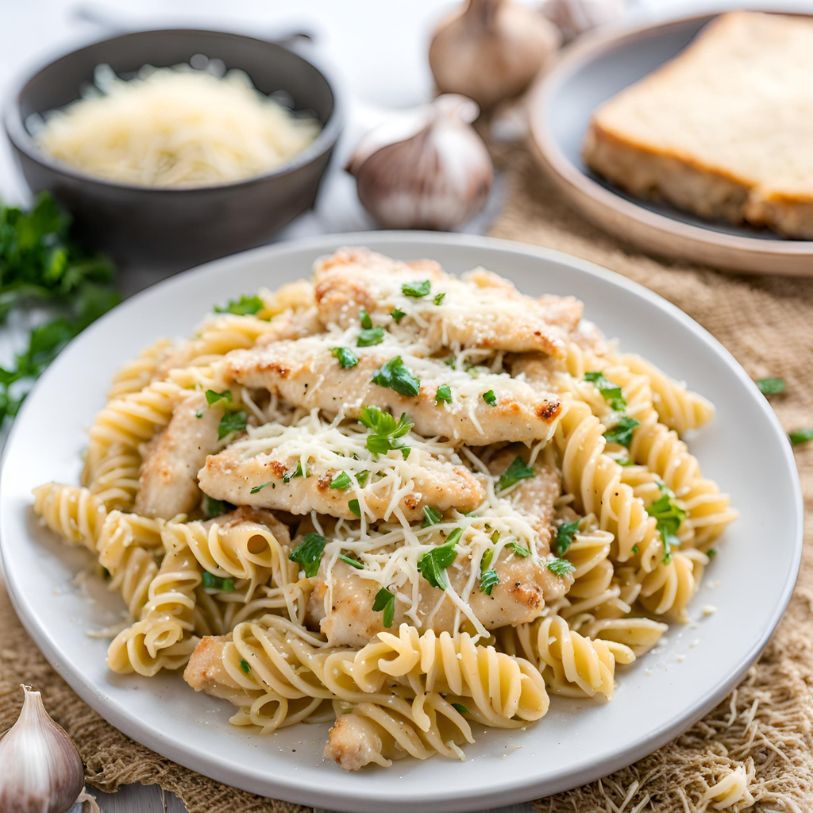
point(576, 17)
point(491, 50)
point(41, 769)
point(437, 178)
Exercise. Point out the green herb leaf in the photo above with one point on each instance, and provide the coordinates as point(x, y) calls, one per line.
point(711, 553)
point(364, 318)
point(385, 600)
point(668, 517)
point(610, 392)
point(199, 414)
point(431, 516)
point(439, 298)
point(443, 394)
point(341, 481)
point(485, 562)
point(246, 305)
point(417, 289)
point(260, 487)
point(345, 356)
point(385, 430)
point(561, 567)
point(621, 432)
point(370, 337)
point(519, 549)
point(564, 536)
point(212, 582)
point(397, 314)
point(432, 565)
point(516, 471)
point(214, 508)
point(213, 397)
point(308, 553)
point(352, 561)
point(771, 386)
point(396, 376)
point(459, 707)
point(799, 436)
point(490, 398)
point(244, 665)
point(299, 471)
point(488, 581)
point(362, 477)
point(354, 507)
point(231, 422)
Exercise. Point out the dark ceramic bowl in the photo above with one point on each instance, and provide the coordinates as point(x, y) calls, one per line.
point(177, 227)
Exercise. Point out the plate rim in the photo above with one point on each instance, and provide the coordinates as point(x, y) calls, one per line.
point(516, 789)
point(696, 243)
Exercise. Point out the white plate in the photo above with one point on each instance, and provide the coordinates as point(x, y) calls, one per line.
point(749, 582)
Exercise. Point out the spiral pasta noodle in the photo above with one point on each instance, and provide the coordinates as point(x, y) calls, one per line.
point(138, 373)
point(72, 512)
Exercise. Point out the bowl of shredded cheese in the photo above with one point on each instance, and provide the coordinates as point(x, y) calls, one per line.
point(175, 146)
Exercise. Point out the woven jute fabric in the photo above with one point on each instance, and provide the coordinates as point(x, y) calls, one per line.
point(765, 727)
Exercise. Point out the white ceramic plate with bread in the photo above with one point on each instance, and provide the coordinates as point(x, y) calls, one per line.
point(690, 138)
point(744, 447)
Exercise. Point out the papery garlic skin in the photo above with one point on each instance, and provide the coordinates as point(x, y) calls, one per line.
point(576, 17)
point(491, 50)
point(40, 769)
point(438, 178)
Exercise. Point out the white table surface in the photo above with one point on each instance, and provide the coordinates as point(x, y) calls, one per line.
point(375, 49)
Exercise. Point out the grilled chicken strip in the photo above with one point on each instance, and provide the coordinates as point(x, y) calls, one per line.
point(296, 469)
point(481, 310)
point(168, 480)
point(483, 410)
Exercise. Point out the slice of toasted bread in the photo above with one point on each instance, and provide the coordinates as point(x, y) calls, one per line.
point(724, 130)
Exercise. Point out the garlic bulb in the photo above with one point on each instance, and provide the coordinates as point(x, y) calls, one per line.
point(491, 50)
point(434, 174)
point(40, 768)
point(576, 17)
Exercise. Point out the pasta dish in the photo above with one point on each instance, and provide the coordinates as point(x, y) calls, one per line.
point(403, 501)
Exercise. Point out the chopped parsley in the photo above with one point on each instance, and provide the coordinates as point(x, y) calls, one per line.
point(417, 289)
point(443, 394)
point(362, 477)
point(244, 665)
point(351, 560)
point(459, 707)
point(397, 314)
point(214, 508)
point(439, 298)
point(213, 397)
point(385, 601)
point(771, 386)
point(668, 517)
point(488, 581)
point(516, 471)
point(564, 536)
point(370, 336)
point(397, 376)
point(385, 431)
point(199, 414)
point(341, 481)
point(561, 567)
point(365, 319)
point(260, 487)
point(354, 507)
point(490, 398)
point(231, 422)
point(308, 553)
point(610, 392)
point(345, 356)
point(431, 516)
point(799, 436)
point(246, 305)
point(212, 582)
point(621, 432)
point(299, 471)
point(711, 553)
point(433, 563)
point(520, 550)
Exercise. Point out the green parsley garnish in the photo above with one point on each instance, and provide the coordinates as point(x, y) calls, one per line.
point(354, 507)
point(260, 487)
point(443, 394)
point(485, 562)
point(490, 398)
point(520, 550)
point(199, 414)
point(244, 665)
point(621, 432)
point(231, 422)
point(385, 430)
point(345, 356)
point(610, 392)
point(397, 314)
point(416, 289)
point(459, 707)
point(214, 508)
point(370, 336)
point(244, 306)
point(771, 386)
point(299, 471)
point(439, 298)
point(213, 397)
point(431, 516)
point(668, 517)
point(350, 560)
point(397, 376)
point(635, 548)
point(495, 538)
point(362, 477)
point(364, 318)
point(385, 600)
point(488, 581)
point(433, 563)
point(212, 582)
point(799, 436)
point(564, 536)
point(711, 553)
point(561, 567)
point(308, 553)
point(341, 481)
point(516, 471)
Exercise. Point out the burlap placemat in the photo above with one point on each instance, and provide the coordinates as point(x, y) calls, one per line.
point(765, 725)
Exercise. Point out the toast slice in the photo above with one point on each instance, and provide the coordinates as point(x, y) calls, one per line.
point(724, 130)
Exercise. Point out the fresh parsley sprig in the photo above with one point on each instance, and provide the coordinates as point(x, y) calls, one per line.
point(609, 391)
point(564, 536)
point(432, 565)
point(397, 376)
point(384, 601)
point(621, 431)
point(516, 471)
point(246, 305)
point(308, 553)
point(668, 518)
point(385, 431)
